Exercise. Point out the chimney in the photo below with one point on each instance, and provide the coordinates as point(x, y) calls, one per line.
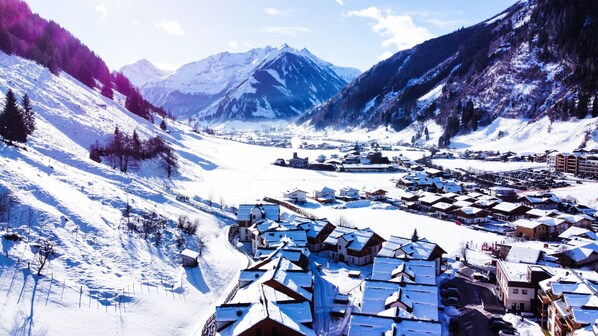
point(294, 155)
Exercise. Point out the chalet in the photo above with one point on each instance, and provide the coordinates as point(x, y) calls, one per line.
point(349, 194)
point(295, 196)
point(190, 258)
point(428, 201)
point(357, 247)
point(578, 232)
point(582, 221)
point(248, 214)
point(274, 298)
point(317, 231)
point(531, 229)
point(542, 202)
point(518, 284)
point(325, 195)
point(407, 249)
point(376, 194)
point(297, 162)
point(509, 212)
point(578, 254)
point(471, 215)
point(569, 303)
point(443, 210)
point(556, 226)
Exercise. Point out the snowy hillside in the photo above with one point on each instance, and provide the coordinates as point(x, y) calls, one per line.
point(531, 63)
point(78, 204)
point(207, 88)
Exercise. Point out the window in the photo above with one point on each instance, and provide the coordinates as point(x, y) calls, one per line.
point(515, 290)
point(524, 291)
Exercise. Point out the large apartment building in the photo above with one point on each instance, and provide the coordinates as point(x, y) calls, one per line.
point(576, 163)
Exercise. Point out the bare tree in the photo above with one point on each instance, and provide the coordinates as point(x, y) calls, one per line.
point(211, 198)
point(6, 205)
point(45, 251)
point(187, 226)
point(344, 222)
point(463, 251)
point(222, 202)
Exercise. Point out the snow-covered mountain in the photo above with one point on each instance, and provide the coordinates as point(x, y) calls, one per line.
point(536, 59)
point(143, 71)
point(263, 83)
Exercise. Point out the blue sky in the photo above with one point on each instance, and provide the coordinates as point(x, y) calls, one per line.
point(345, 32)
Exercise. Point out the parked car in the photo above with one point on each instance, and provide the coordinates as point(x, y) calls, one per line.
point(449, 291)
point(454, 325)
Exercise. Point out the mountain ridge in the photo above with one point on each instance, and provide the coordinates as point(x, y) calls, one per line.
point(521, 63)
point(200, 89)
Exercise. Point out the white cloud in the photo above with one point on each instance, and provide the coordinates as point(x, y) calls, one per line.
point(398, 30)
point(171, 27)
point(233, 45)
point(275, 11)
point(340, 2)
point(102, 9)
point(285, 30)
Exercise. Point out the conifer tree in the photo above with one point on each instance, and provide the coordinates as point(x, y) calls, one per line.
point(414, 236)
point(12, 124)
point(28, 114)
point(595, 107)
point(163, 125)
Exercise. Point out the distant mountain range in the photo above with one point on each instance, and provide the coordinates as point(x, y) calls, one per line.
point(263, 83)
point(538, 58)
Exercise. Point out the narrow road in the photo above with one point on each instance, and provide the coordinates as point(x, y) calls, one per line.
point(324, 294)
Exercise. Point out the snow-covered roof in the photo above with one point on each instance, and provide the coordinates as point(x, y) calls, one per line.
point(526, 223)
point(574, 231)
point(358, 239)
point(430, 199)
point(269, 211)
point(551, 221)
point(404, 248)
point(422, 299)
point(361, 325)
point(190, 254)
point(470, 210)
point(523, 254)
point(442, 206)
point(293, 315)
point(541, 213)
point(424, 271)
point(462, 204)
point(573, 219)
point(506, 206)
point(274, 238)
